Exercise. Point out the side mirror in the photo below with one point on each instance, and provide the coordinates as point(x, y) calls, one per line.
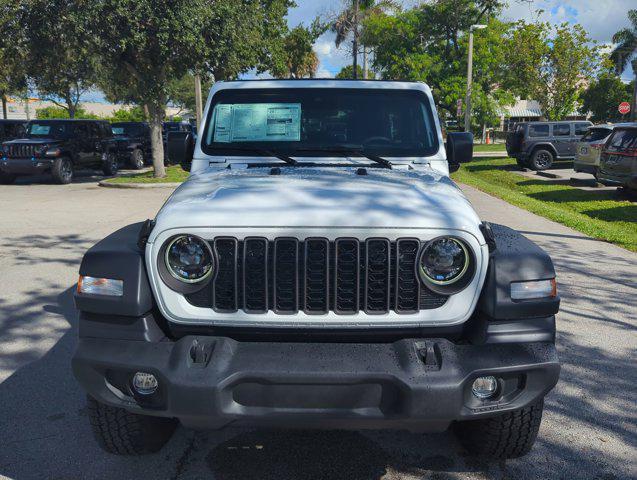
point(180, 148)
point(459, 149)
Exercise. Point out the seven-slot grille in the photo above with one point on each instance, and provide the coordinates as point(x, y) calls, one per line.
point(20, 150)
point(316, 276)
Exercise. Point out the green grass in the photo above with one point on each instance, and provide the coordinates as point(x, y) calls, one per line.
point(494, 147)
point(597, 213)
point(174, 174)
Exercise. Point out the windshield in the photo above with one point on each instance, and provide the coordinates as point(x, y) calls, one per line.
point(596, 134)
point(132, 130)
point(313, 121)
point(47, 129)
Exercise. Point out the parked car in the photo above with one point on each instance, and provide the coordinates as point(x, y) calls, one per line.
point(10, 129)
point(133, 143)
point(536, 145)
point(318, 268)
point(618, 161)
point(589, 148)
point(59, 147)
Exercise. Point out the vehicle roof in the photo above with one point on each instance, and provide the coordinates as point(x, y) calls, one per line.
point(322, 83)
point(625, 125)
point(541, 122)
point(129, 123)
point(12, 120)
point(68, 120)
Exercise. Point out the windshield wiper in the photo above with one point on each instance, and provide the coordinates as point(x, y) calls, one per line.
point(349, 150)
point(261, 151)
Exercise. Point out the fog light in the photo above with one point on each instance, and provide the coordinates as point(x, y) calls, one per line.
point(485, 387)
point(145, 383)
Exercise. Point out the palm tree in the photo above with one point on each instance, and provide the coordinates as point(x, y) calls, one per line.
point(348, 22)
point(626, 49)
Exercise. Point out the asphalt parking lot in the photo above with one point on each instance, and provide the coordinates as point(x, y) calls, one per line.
point(589, 430)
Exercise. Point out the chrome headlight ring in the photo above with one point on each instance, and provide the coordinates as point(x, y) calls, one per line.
point(446, 265)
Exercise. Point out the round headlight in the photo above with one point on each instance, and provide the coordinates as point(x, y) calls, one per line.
point(189, 259)
point(443, 261)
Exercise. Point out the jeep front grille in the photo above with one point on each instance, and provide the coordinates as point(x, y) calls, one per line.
point(20, 151)
point(315, 276)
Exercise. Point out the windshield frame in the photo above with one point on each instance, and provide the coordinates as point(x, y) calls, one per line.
point(309, 150)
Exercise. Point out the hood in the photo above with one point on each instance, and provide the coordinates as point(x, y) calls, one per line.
point(33, 141)
point(319, 197)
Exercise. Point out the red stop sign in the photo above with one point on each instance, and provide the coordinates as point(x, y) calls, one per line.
point(624, 108)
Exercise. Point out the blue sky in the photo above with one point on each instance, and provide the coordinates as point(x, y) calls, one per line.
point(601, 18)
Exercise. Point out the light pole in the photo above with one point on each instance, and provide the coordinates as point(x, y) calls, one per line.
point(467, 110)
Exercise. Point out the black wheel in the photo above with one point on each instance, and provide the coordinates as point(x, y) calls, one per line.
point(541, 160)
point(110, 165)
point(509, 435)
point(7, 178)
point(137, 159)
point(123, 433)
point(62, 170)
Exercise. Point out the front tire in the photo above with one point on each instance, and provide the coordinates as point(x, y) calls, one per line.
point(509, 435)
point(123, 433)
point(137, 159)
point(110, 165)
point(7, 178)
point(541, 160)
point(62, 170)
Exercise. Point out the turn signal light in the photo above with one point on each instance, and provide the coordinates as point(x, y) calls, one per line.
point(100, 286)
point(534, 289)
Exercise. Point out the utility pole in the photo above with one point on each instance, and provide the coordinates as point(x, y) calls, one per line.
point(198, 108)
point(355, 42)
point(467, 111)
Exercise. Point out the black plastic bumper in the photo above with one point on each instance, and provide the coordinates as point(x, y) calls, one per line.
point(25, 166)
point(413, 384)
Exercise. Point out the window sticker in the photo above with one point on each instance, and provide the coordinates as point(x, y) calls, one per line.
point(37, 129)
point(257, 122)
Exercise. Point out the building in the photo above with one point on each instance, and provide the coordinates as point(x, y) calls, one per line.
point(19, 109)
point(528, 111)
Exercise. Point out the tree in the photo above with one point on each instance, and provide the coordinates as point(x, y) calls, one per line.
point(132, 114)
point(551, 64)
point(13, 79)
point(53, 112)
point(603, 96)
point(297, 59)
point(181, 92)
point(429, 43)
point(347, 72)
point(58, 59)
point(146, 45)
point(347, 23)
point(626, 49)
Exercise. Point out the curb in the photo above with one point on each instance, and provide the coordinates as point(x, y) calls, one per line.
point(107, 184)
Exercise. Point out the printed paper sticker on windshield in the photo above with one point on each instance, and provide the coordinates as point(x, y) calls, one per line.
point(257, 122)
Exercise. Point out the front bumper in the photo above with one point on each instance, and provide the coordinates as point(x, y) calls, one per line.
point(413, 384)
point(585, 167)
point(25, 166)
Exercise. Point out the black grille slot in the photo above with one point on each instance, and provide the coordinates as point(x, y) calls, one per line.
point(407, 284)
point(317, 256)
point(286, 275)
point(346, 276)
point(255, 278)
point(225, 289)
point(21, 151)
point(378, 275)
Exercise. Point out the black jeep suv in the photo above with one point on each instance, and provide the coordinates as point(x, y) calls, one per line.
point(536, 145)
point(59, 147)
point(133, 142)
